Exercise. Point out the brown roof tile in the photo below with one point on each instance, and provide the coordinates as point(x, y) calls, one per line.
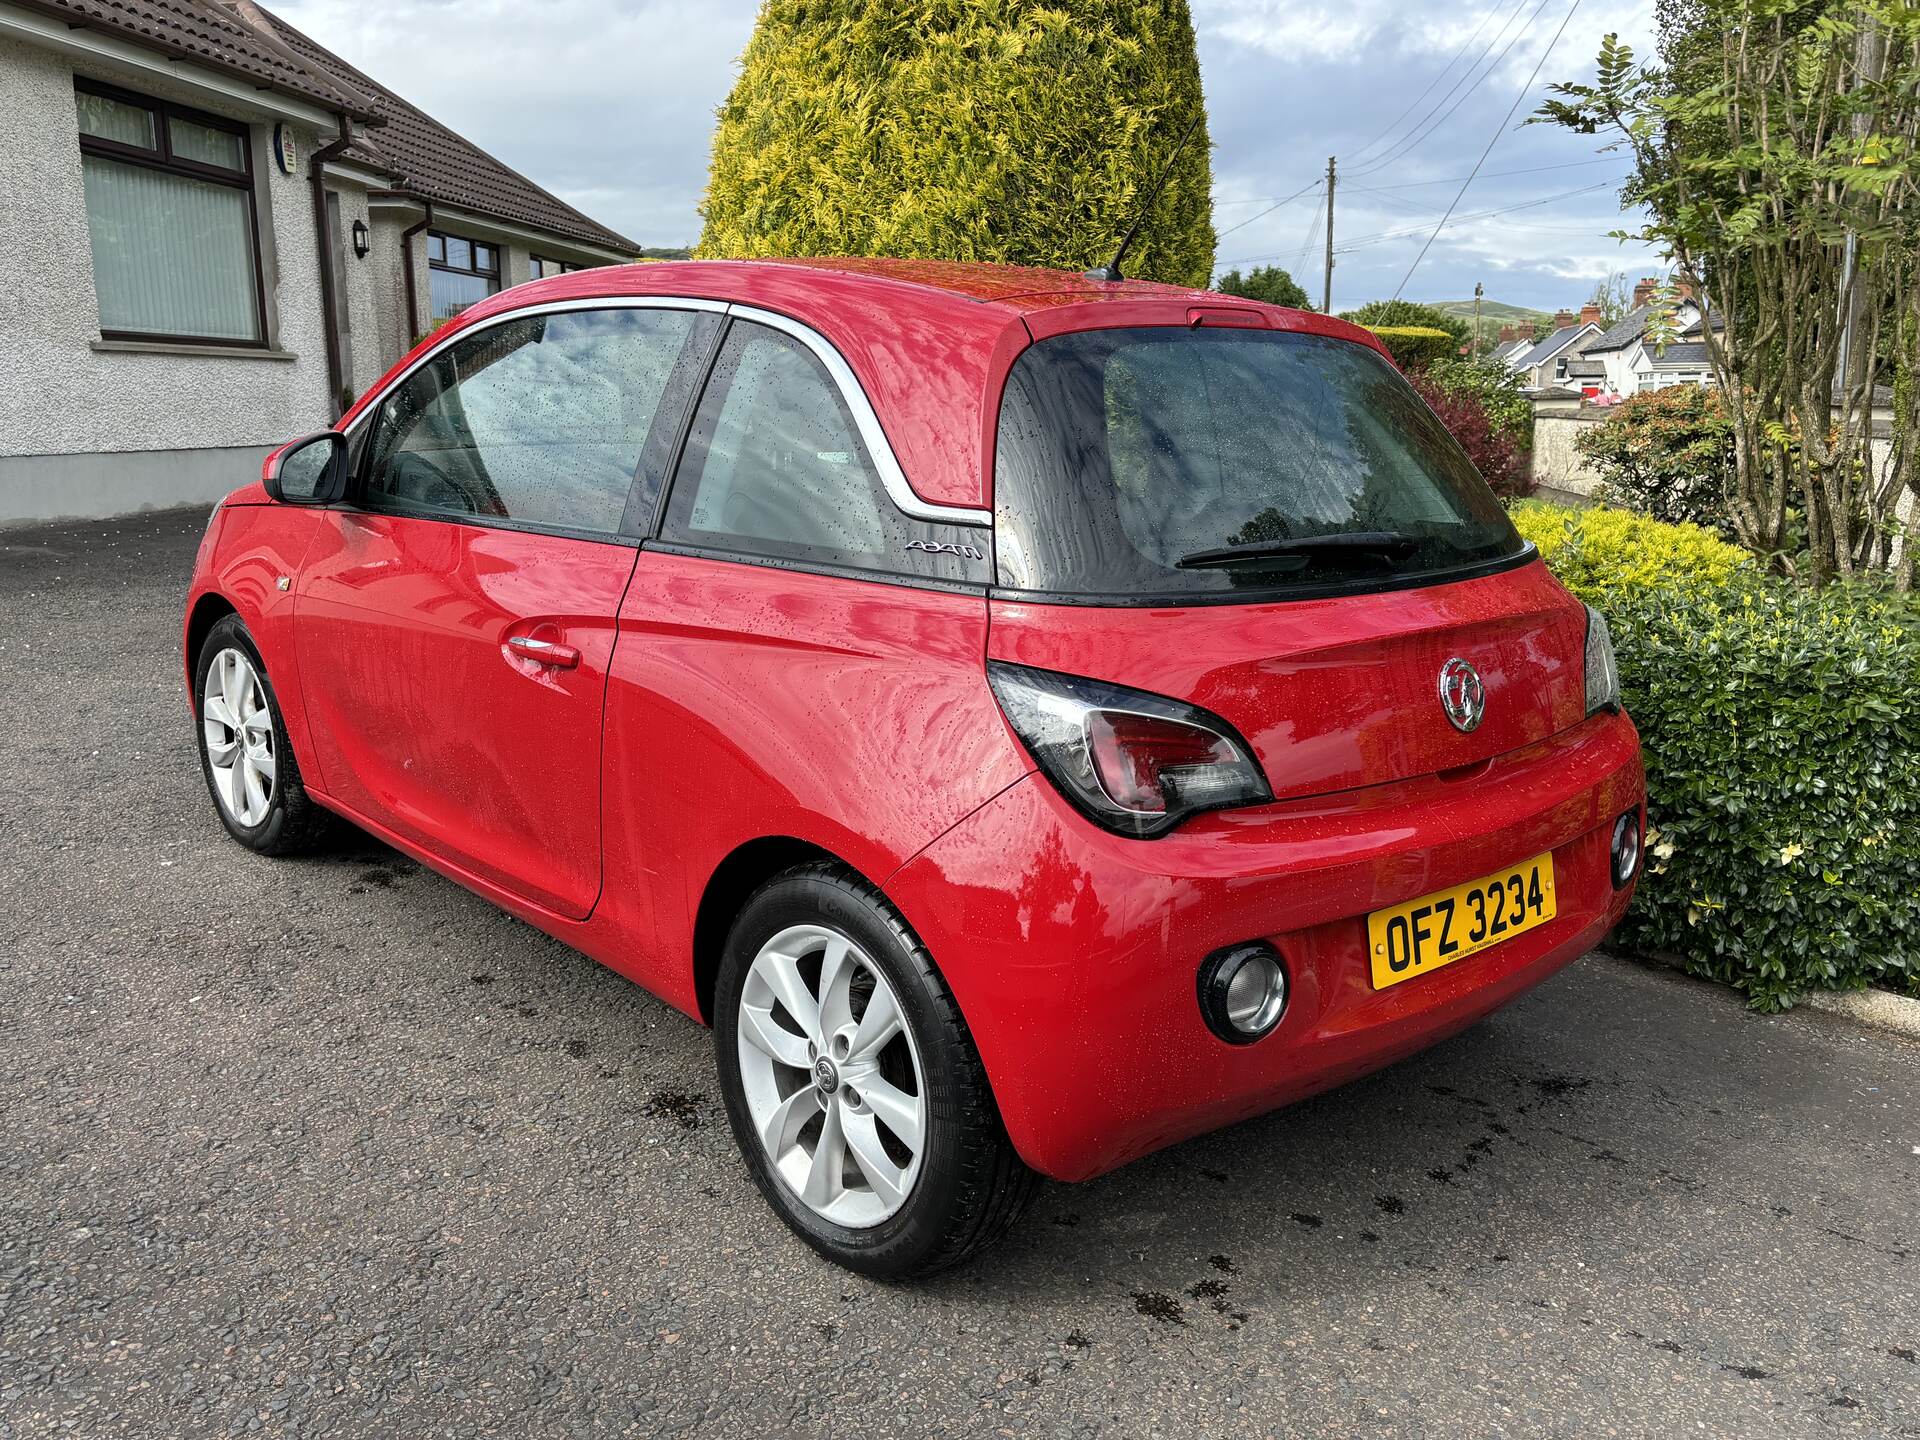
point(433, 161)
point(207, 32)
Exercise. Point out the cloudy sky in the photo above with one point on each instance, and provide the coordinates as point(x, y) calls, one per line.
point(610, 103)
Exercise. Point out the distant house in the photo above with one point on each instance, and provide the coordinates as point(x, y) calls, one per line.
point(216, 232)
point(1513, 340)
point(1632, 364)
point(1544, 366)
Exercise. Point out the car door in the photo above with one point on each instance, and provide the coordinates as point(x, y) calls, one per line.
point(456, 621)
point(795, 644)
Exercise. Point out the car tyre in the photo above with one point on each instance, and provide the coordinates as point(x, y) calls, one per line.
point(960, 1184)
point(245, 756)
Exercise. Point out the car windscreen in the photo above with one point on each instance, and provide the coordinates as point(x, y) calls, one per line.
point(1170, 462)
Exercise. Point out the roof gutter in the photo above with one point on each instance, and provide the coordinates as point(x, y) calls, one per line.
point(329, 282)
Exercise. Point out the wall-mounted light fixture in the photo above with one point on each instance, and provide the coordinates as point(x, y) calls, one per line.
point(362, 239)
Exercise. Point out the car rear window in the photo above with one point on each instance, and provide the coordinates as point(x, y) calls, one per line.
point(1123, 453)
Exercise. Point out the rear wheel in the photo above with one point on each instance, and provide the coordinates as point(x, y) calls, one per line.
point(853, 1087)
point(249, 766)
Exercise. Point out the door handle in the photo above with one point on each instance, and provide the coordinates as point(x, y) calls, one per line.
point(545, 652)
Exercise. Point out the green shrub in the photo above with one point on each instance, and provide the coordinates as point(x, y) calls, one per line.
point(1666, 453)
point(1781, 729)
point(1601, 551)
point(1497, 389)
point(1267, 283)
point(1409, 314)
point(1501, 463)
point(995, 130)
point(1414, 347)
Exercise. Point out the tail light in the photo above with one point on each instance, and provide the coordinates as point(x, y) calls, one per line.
point(1603, 674)
point(1134, 762)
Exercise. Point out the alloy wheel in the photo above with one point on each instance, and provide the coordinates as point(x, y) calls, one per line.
point(237, 727)
point(833, 1081)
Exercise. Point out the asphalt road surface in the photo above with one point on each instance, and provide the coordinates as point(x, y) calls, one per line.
point(333, 1148)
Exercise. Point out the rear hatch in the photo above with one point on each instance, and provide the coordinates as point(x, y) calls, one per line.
point(1274, 527)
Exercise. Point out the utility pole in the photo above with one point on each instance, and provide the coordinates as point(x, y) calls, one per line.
point(1478, 291)
point(1326, 289)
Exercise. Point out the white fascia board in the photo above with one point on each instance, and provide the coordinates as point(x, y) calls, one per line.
point(37, 29)
point(355, 175)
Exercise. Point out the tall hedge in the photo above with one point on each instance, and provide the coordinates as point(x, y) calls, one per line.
point(965, 130)
point(1781, 728)
point(1414, 347)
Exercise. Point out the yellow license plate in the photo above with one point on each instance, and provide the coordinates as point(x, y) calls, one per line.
point(1422, 935)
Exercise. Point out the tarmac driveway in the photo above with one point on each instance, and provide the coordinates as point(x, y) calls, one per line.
point(333, 1148)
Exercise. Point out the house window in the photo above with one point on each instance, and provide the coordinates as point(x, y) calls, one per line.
point(540, 269)
point(462, 272)
point(170, 215)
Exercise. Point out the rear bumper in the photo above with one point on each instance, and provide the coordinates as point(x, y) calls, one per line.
point(1073, 953)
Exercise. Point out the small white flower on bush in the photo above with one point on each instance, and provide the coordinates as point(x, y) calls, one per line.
point(1791, 853)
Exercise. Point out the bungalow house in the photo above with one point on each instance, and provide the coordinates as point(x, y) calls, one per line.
point(215, 234)
point(1544, 366)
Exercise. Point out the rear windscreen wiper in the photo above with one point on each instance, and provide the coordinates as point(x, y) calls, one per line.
point(1305, 547)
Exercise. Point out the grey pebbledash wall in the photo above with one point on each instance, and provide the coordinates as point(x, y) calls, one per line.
point(81, 421)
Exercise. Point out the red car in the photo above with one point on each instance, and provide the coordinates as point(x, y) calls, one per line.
point(1031, 719)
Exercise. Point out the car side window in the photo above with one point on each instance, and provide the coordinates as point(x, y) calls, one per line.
point(542, 420)
point(775, 466)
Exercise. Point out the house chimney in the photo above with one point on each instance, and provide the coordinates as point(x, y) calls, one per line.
point(1682, 289)
point(1562, 320)
point(1508, 335)
point(1643, 291)
point(1589, 314)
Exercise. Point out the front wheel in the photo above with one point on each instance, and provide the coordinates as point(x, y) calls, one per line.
point(852, 1085)
point(244, 754)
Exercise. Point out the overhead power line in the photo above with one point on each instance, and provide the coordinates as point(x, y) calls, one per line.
point(1424, 128)
point(1360, 154)
point(1379, 236)
point(1442, 180)
point(1487, 175)
point(1492, 140)
point(1288, 200)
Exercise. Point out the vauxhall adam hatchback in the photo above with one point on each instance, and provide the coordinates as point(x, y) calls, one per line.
point(1031, 719)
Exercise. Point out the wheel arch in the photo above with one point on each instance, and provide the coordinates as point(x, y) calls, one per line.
point(745, 869)
point(209, 610)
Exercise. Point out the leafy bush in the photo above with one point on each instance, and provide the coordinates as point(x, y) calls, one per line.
point(1497, 388)
point(1267, 283)
point(1405, 314)
point(1500, 461)
point(1414, 347)
point(921, 128)
point(1666, 453)
point(1781, 728)
point(1601, 552)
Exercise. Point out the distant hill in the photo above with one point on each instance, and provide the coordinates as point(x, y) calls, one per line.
point(1491, 312)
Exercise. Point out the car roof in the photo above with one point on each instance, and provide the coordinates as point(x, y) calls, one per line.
point(929, 340)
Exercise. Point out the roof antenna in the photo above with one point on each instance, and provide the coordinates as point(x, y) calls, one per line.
point(1110, 271)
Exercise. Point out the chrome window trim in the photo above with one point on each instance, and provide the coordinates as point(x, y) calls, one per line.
point(866, 422)
point(892, 477)
point(552, 307)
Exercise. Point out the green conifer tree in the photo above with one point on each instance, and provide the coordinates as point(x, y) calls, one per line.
point(1003, 130)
